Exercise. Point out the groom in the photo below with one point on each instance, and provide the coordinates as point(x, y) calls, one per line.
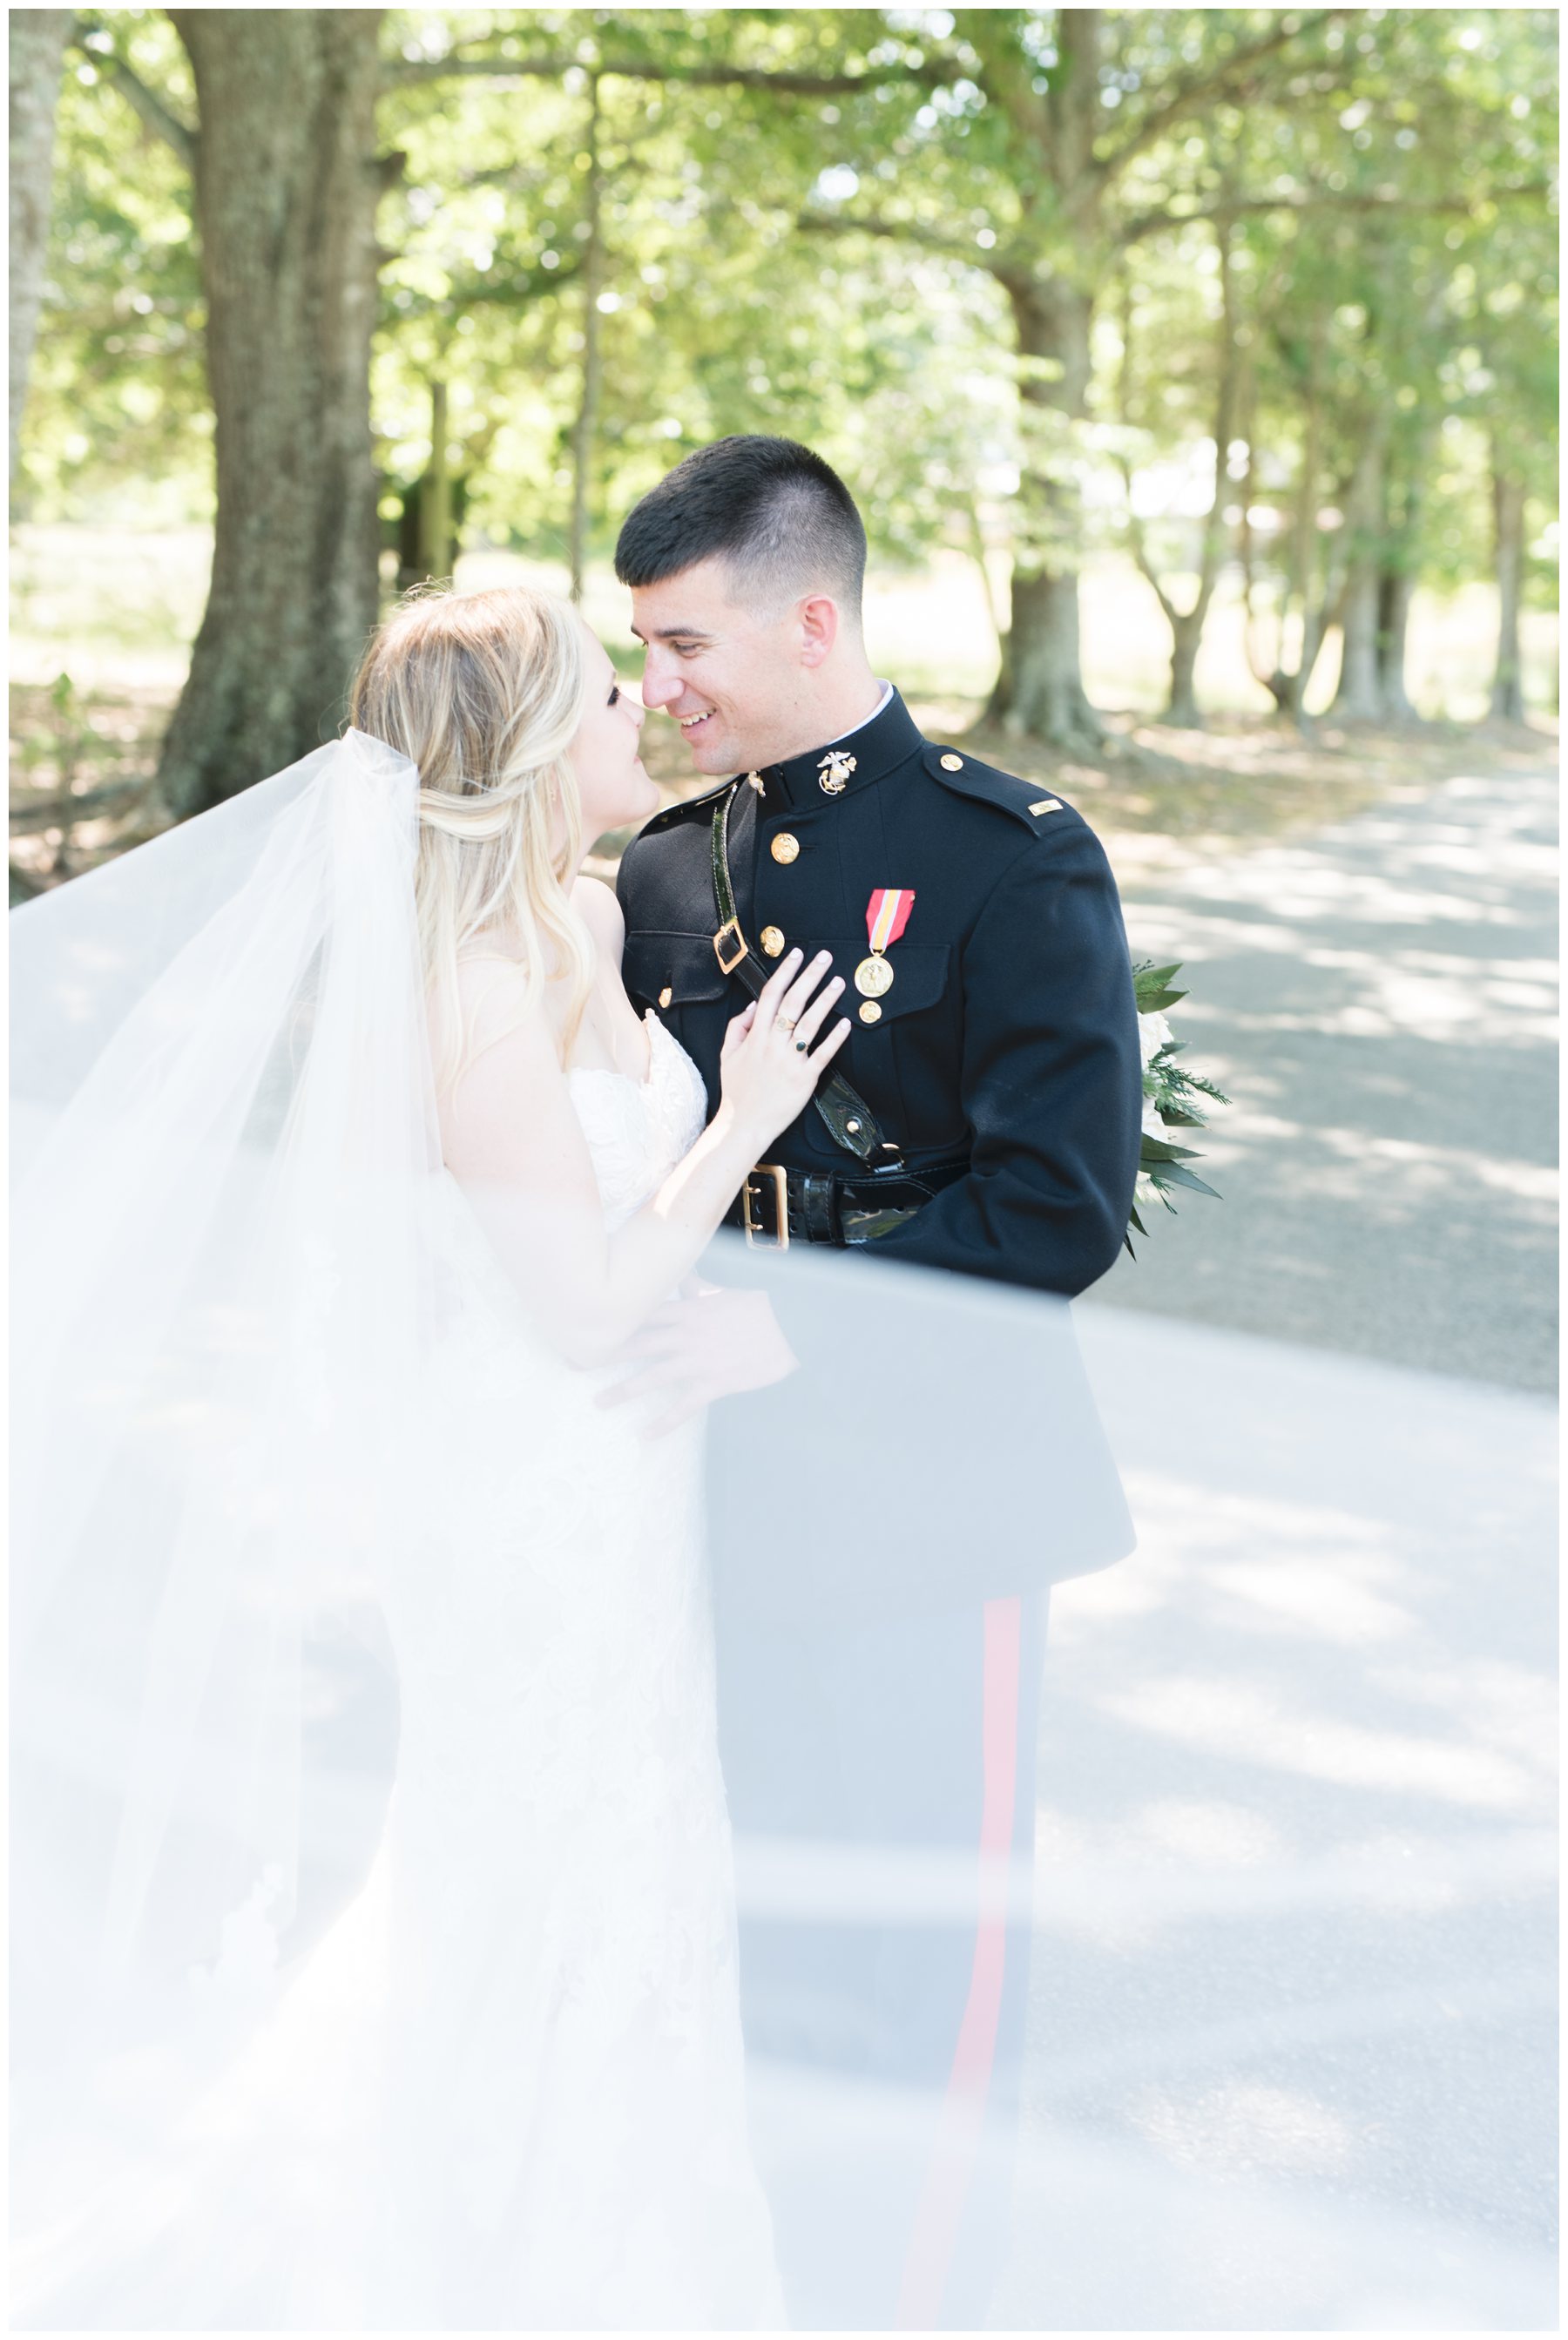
point(984, 1118)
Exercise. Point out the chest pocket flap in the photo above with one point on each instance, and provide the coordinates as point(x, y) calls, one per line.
point(683, 965)
point(919, 972)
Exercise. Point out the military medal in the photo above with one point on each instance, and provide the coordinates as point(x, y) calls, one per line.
point(834, 771)
point(886, 916)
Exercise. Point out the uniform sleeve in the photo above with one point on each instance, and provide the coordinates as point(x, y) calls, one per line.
point(631, 894)
point(1050, 1081)
point(625, 884)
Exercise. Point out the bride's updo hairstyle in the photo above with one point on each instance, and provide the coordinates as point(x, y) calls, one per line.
point(485, 693)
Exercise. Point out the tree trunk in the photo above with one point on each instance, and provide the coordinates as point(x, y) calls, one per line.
point(1321, 600)
point(1290, 688)
point(1041, 688)
point(1508, 538)
point(585, 433)
point(286, 188)
point(1396, 590)
point(37, 47)
point(1182, 711)
point(1359, 695)
point(1397, 584)
point(435, 552)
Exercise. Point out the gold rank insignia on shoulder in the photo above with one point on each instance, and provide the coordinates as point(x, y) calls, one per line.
point(1046, 804)
point(834, 771)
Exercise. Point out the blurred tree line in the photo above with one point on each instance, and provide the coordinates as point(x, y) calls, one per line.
point(1225, 286)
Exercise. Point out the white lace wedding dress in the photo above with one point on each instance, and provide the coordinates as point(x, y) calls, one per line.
point(506, 2087)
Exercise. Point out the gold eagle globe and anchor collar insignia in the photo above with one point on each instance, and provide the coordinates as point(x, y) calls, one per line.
point(886, 916)
point(838, 771)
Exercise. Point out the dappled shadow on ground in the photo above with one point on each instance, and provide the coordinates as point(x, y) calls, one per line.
point(1379, 1000)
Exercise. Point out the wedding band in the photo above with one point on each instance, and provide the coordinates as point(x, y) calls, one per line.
point(788, 1023)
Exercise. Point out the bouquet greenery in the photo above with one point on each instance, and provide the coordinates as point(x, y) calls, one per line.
point(1172, 1097)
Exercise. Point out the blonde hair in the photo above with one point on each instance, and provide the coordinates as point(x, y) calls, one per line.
point(485, 693)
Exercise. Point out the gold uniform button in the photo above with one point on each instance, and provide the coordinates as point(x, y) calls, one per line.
point(784, 847)
point(665, 996)
point(952, 763)
point(772, 941)
point(870, 1011)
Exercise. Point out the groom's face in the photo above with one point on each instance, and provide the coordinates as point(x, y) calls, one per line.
point(739, 679)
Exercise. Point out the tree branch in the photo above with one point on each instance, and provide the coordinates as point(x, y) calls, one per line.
point(1137, 537)
point(1011, 92)
point(158, 116)
point(519, 290)
point(1156, 222)
point(1197, 89)
point(902, 232)
point(407, 73)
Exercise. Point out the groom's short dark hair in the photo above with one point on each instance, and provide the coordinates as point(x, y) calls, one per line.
point(777, 515)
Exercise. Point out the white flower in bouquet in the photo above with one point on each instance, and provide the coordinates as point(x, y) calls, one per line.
point(1173, 1099)
point(1153, 1032)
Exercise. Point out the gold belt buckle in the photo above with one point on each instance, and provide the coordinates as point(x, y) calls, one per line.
point(779, 1235)
point(729, 937)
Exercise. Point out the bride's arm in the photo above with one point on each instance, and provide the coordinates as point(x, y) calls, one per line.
point(511, 1138)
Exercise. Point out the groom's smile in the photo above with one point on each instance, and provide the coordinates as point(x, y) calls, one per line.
point(698, 660)
point(747, 674)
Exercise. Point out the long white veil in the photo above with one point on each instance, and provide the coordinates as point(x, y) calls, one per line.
point(223, 1120)
point(1290, 1900)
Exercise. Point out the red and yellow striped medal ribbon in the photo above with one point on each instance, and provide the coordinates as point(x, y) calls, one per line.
point(886, 916)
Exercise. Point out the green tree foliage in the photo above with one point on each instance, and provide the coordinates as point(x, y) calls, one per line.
point(119, 407)
point(713, 313)
point(1008, 267)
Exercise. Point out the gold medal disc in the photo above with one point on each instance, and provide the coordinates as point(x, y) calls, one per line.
point(873, 976)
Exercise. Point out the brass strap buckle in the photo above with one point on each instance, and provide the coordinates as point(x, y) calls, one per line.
point(777, 1235)
point(729, 937)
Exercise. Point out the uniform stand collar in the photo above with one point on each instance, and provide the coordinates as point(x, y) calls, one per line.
point(865, 757)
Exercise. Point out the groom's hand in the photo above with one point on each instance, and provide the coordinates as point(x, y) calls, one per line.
point(710, 1342)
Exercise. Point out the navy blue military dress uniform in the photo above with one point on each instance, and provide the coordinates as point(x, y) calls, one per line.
point(877, 1686)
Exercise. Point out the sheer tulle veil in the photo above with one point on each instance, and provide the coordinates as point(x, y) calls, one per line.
point(224, 1124)
point(1284, 1778)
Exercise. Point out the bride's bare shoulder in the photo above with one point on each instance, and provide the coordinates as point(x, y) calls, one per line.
point(490, 987)
point(597, 907)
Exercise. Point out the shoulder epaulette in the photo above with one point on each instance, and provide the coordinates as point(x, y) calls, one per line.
point(678, 811)
point(1029, 802)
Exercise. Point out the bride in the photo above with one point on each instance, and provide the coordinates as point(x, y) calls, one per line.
point(347, 1171)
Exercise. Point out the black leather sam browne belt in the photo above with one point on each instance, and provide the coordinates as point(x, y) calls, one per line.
point(779, 1205)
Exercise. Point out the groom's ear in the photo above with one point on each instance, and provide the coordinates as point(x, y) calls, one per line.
point(817, 617)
